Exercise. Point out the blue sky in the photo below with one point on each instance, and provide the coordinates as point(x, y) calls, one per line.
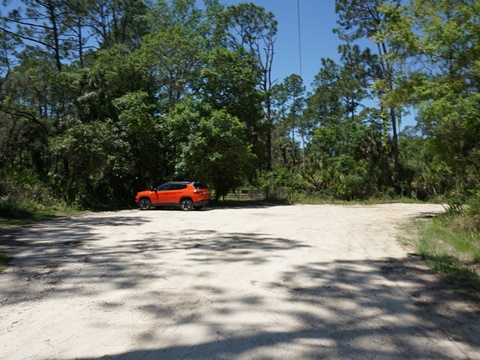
point(317, 20)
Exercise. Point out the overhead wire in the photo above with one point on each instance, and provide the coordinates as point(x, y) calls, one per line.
point(301, 74)
point(299, 37)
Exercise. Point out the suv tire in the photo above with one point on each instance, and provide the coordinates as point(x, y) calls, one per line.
point(186, 204)
point(145, 204)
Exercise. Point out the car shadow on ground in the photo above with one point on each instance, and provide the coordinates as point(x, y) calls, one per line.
point(228, 205)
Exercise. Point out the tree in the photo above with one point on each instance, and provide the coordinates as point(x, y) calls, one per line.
point(172, 60)
point(8, 48)
point(364, 19)
point(353, 77)
point(213, 147)
point(339, 89)
point(141, 132)
point(324, 104)
point(41, 23)
point(114, 22)
point(93, 150)
point(288, 96)
point(441, 43)
point(228, 80)
point(347, 157)
point(166, 15)
point(250, 27)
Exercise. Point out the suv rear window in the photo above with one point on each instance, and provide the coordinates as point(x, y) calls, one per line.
point(199, 186)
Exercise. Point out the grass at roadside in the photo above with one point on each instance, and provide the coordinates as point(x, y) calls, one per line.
point(24, 217)
point(316, 199)
point(12, 217)
point(3, 260)
point(452, 251)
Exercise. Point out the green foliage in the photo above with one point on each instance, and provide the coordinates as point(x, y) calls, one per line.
point(444, 36)
point(93, 150)
point(166, 15)
point(289, 119)
point(364, 19)
point(172, 60)
point(472, 211)
point(424, 175)
point(349, 160)
point(138, 136)
point(4, 260)
point(175, 90)
point(22, 192)
point(215, 150)
point(283, 177)
point(451, 249)
point(228, 81)
point(283, 183)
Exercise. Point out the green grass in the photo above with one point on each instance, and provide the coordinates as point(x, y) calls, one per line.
point(23, 217)
point(3, 261)
point(452, 251)
point(314, 199)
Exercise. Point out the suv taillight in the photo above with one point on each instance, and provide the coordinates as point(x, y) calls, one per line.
point(196, 191)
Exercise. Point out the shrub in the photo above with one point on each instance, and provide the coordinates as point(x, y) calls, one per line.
point(473, 210)
point(22, 192)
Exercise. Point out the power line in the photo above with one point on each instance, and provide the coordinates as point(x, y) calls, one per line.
point(299, 37)
point(301, 72)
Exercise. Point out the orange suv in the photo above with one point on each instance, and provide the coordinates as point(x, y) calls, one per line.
point(184, 194)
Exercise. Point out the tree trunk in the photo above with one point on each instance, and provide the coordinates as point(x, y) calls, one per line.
point(393, 118)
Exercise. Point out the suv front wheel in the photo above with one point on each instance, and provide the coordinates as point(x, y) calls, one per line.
point(186, 204)
point(145, 204)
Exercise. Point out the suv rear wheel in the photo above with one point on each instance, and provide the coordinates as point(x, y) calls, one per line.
point(186, 204)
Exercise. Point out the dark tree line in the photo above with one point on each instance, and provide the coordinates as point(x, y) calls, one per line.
point(99, 99)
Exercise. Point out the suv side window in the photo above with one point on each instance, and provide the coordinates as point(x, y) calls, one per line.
point(178, 186)
point(164, 187)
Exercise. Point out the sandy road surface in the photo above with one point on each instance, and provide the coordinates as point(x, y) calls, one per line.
point(282, 282)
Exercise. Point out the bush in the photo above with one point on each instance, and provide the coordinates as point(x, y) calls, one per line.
point(22, 192)
point(282, 182)
point(464, 212)
point(473, 210)
point(8, 209)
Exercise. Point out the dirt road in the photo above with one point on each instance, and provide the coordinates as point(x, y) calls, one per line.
point(273, 282)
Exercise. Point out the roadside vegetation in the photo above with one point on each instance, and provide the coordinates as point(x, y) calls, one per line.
point(3, 260)
point(24, 198)
point(450, 243)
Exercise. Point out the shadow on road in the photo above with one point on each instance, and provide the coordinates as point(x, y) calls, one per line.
point(339, 309)
point(72, 252)
point(363, 309)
